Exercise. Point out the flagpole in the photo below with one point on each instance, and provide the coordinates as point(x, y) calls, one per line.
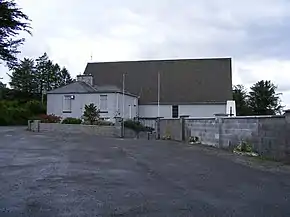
point(123, 103)
point(123, 115)
point(158, 95)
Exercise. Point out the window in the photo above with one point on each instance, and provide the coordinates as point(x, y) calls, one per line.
point(175, 111)
point(67, 104)
point(103, 103)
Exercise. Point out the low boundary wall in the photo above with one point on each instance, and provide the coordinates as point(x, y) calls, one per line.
point(268, 135)
point(106, 131)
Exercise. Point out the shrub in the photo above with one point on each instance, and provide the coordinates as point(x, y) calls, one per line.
point(137, 126)
point(91, 113)
point(3, 121)
point(71, 121)
point(49, 118)
point(244, 147)
point(18, 116)
point(35, 107)
point(11, 113)
point(166, 137)
point(193, 139)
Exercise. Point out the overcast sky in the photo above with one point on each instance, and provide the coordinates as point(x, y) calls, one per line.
point(255, 33)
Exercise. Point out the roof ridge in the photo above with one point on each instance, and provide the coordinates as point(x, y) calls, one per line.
point(164, 60)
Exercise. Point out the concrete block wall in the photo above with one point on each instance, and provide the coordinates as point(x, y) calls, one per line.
point(107, 131)
point(171, 127)
point(268, 135)
point(235, 130)
point(274, 138)
point(205, 129)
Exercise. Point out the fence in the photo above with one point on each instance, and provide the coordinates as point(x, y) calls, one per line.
point(149, 122)
point(269, 135)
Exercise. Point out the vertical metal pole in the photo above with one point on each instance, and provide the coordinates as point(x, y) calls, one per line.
point(123, 113)
point(117, 103)
point(158, 95)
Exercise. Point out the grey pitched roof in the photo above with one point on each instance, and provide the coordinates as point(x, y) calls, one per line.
point(182, 81)
point(76, 87)
point(112, 88)
point(82, 87)
point(107, 88)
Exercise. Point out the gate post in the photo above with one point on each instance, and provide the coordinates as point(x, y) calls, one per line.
point(29, 122)
point(158, 128)
point(119, 126)
point(219, 123)
point(183, 127)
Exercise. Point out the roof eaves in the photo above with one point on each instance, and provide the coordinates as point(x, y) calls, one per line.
point(185, 103)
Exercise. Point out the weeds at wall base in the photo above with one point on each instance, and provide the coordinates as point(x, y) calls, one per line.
point(245, 149)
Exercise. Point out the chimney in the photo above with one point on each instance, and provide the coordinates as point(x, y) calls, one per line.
point(86, 78)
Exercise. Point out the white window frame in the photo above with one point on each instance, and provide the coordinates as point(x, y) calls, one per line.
point(103, 108)
point(66, 108)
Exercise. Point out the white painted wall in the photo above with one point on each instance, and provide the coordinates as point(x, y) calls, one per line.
point(130, 106)
point(115, 106)
point(202, 110)
point(191, 110)
point(114, 103)
point(150, 111)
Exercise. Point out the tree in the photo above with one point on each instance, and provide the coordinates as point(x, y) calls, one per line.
point(2, 85)
point(23, 77)
point(41, 72)
point(12, 23)
point(263, 99)
point(40, 77)
point(91, 113)
point(241, 99)
point(50, 75)
point(65, 77)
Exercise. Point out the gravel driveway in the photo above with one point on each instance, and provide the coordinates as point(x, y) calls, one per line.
point(78, 175)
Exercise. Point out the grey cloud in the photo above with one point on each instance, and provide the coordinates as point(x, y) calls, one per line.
point(198, 28)
point(270, 40)
point(262, 36)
